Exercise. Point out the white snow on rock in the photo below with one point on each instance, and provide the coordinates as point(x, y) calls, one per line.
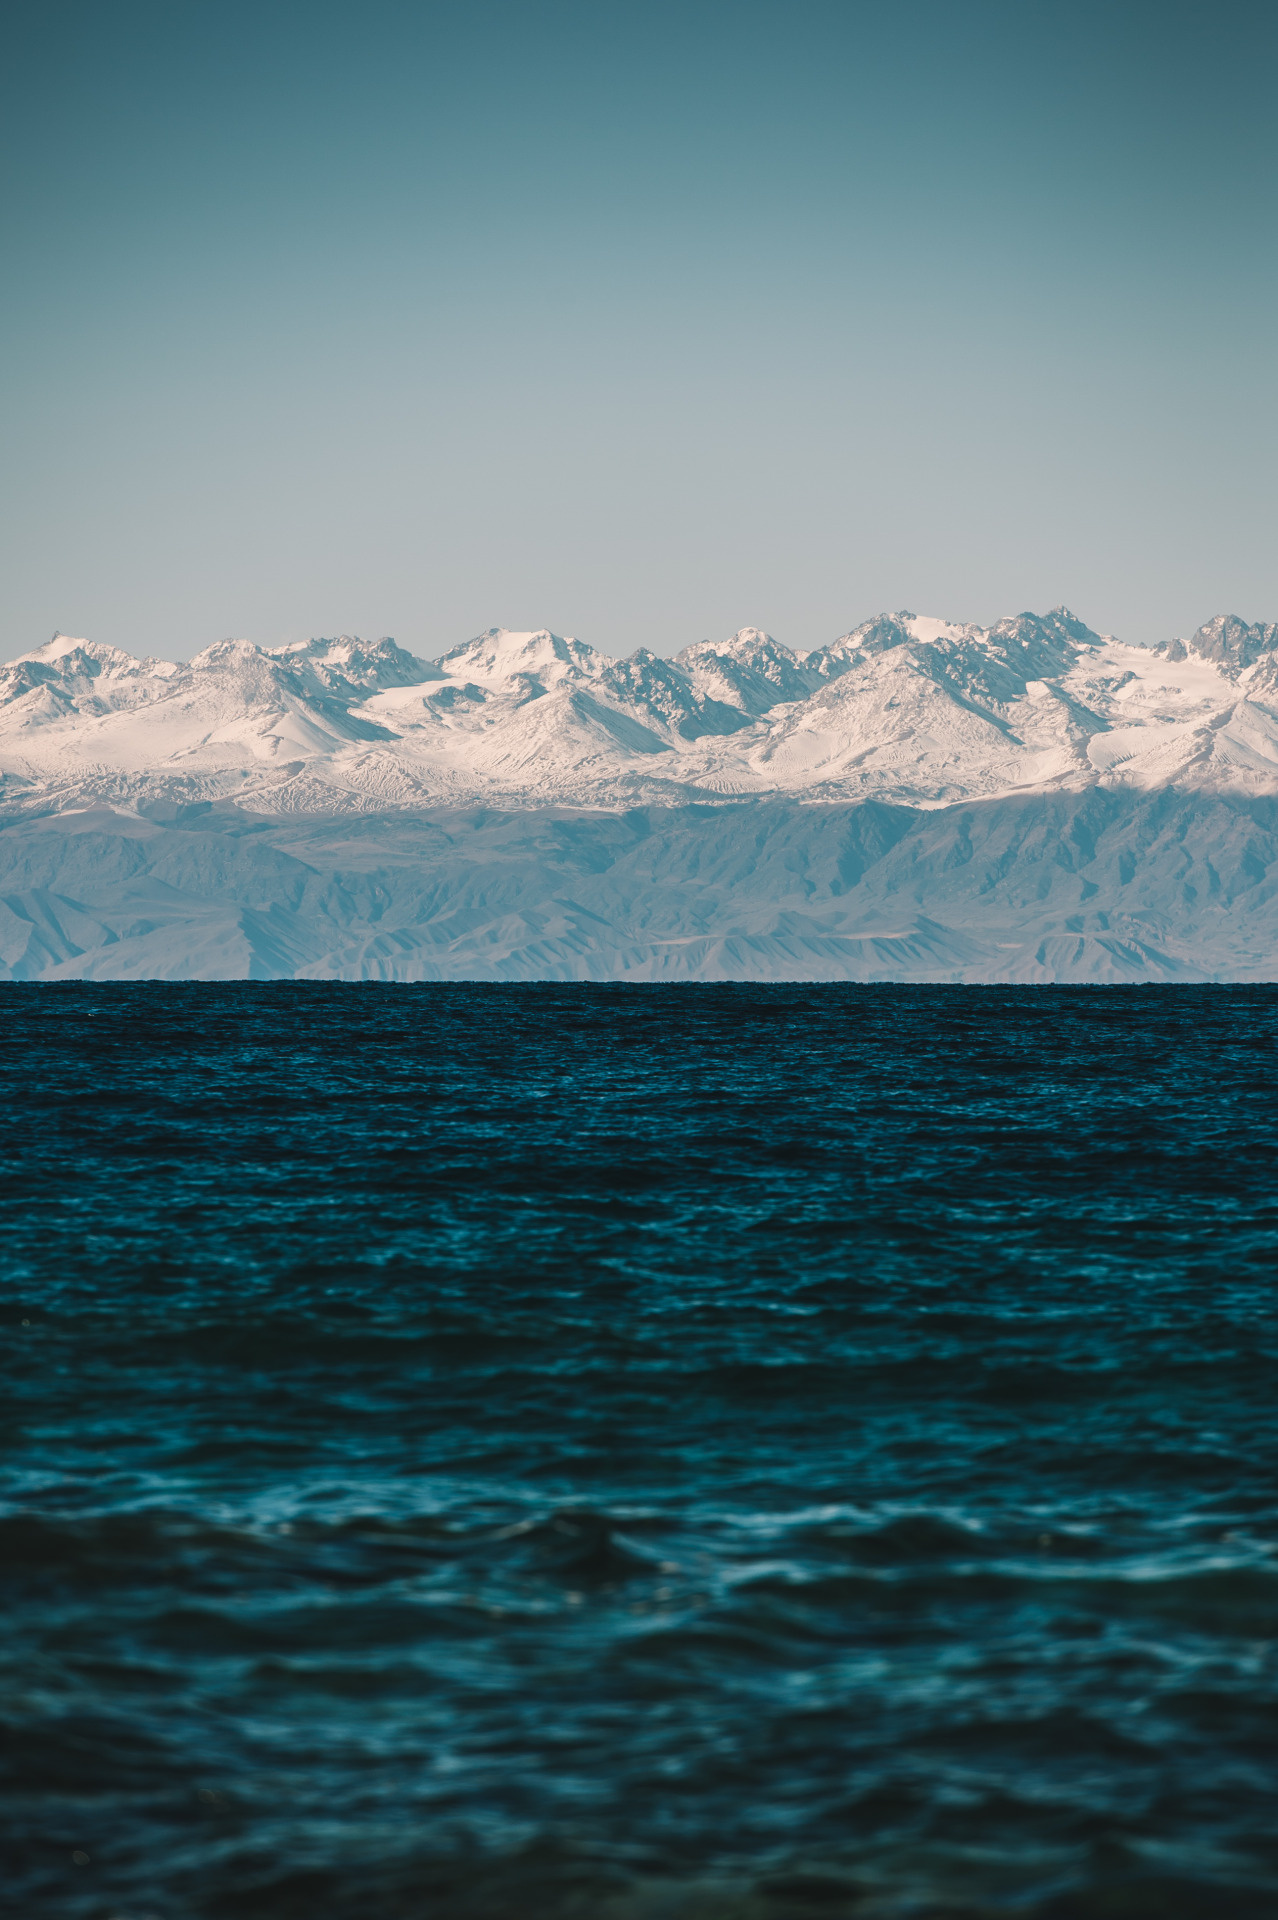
point(212, 818)
point(913, 709)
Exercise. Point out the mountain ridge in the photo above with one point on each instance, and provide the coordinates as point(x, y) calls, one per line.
point(1104, 886)
point(919, 799)
point(912, 709)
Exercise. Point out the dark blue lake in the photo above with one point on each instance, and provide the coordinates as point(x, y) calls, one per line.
point(639, 1453)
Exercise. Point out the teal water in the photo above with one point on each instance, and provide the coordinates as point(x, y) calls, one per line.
point(587, 1451)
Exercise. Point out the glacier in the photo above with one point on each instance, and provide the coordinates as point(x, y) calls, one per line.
point(918, 800)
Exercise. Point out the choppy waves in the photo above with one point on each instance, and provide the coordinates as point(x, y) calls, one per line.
point(602, 1452)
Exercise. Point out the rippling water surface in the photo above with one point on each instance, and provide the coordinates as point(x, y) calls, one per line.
point(635, 1452)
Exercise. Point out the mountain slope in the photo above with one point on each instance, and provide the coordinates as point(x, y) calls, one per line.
point(1101, 885)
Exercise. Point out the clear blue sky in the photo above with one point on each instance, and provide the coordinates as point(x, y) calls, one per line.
point(639, 321)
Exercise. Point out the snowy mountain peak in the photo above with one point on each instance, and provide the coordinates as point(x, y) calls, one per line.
point(356, 667)
point(923, 627)
point(1232, 644)
point(88, 658)
point(60, 645)
point(747, 643)
point(502, 655)
point(68, 676)
point(751, 671)
point(876, 635)
point(222, 653)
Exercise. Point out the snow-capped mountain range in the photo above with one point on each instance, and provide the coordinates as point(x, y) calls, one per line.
point(919, 799)
point(920, 711)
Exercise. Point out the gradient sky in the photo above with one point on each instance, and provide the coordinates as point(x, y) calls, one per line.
point(642, 322)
